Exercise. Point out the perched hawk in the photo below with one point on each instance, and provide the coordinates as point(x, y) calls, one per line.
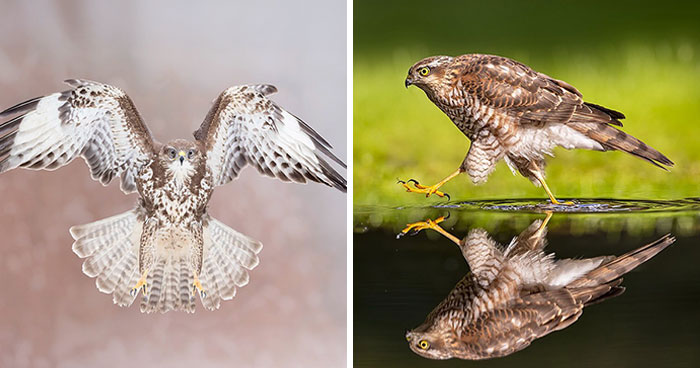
point(512, 112)
point(516, 295)
point(168, 247)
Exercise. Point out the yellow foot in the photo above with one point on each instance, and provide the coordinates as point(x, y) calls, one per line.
point(416, 227)
point(197, 286)
point(565, 203)
point(418, 188)
point(141, 284)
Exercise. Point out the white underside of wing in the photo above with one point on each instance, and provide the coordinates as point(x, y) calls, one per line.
point(295, 141)
point(291, 131)
point(40, 136)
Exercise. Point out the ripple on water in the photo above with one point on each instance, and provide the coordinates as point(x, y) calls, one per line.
point(586, 205)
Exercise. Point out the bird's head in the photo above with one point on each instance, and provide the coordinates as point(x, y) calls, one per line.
point(181, 157)
point(428, 73)
point(428, 342)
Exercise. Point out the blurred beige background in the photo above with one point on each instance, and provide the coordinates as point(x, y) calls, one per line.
point(173, 59)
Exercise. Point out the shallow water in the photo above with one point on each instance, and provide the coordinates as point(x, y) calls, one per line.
point(655, 322)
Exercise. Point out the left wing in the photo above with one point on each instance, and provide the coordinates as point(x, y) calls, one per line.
point(245, 127)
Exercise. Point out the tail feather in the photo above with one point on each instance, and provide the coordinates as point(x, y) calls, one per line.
point(96, 235)
point(107, 280)
point(611, 138)
point(596, 294)
point(226, 272)
point(234, 244)
point(621, 265)
point(186, 300)
point(109, 247)
point(172, 295)
point(154, 280)
point(128, 278)
point(228, 255)
point(211, 283)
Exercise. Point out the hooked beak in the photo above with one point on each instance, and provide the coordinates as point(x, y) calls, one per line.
point(182, 156)
point(408, 82)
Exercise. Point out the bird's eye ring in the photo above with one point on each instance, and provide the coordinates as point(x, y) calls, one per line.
point(424, 345)
point(424, 71)
point(172, 153)
point(190, 154)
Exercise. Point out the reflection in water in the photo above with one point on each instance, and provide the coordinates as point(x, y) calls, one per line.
point(516, 294)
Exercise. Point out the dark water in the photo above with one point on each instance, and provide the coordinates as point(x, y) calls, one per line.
point(655, 322)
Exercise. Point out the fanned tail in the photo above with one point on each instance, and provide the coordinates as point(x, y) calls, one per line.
point(111, 248)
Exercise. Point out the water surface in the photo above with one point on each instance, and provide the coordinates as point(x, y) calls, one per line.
point(655, 322)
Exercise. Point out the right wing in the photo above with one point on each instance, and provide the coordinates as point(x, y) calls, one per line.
point(246, 127)
point(93, 120)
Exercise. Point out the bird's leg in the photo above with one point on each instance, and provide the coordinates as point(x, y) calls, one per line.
point(540, 178)
point(415, 227)
point(141, 284)
point(544, 224)
point(428, 190)
point(197, 286)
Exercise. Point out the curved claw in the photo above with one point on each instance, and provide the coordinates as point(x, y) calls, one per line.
point(419, 188)
point(140, 285)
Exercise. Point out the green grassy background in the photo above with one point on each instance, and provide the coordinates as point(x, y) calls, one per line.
point(641, 58)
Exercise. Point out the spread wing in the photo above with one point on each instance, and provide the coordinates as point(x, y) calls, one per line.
point(532, 96)
point(95, 121)
point(245, 127)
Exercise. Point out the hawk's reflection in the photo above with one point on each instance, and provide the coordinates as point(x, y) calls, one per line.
point(516, 294)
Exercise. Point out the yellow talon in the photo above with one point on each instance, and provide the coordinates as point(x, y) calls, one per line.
point(428, 190)
point(141, 284)
point(422, 225)
point(429, 224)
point(197, 286)
point(418, 188)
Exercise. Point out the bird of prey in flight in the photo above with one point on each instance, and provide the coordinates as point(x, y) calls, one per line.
point(509, 111)
point(517, 294)
point(168, 247)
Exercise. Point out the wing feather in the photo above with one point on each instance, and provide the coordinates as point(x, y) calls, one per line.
point(245, 127)
point(531, 96)
point(93, 120)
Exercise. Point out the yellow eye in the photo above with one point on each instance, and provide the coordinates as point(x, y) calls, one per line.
point(424, 71)
point(424, 345)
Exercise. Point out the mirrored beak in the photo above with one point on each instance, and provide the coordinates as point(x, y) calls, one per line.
point(182, 156)
point(408, 82)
